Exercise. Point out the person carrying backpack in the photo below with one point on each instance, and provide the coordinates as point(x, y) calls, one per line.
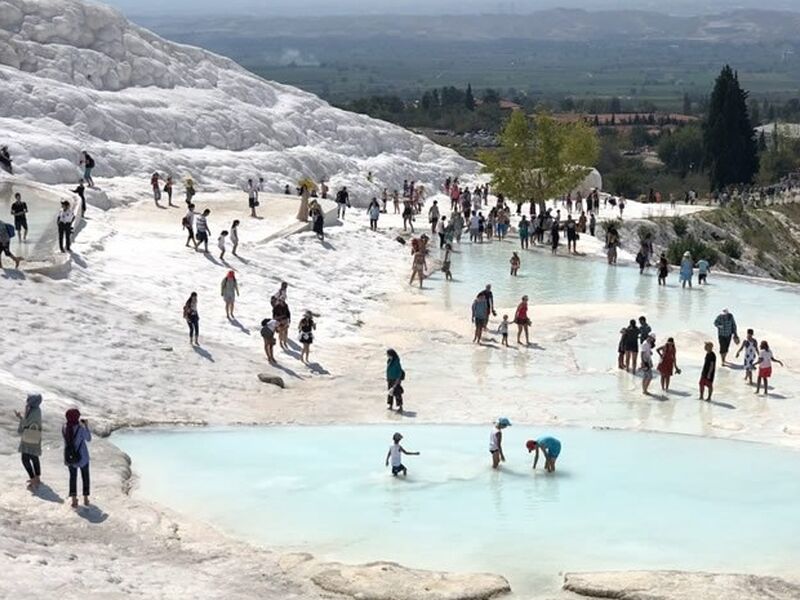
point(6, 233)
point(77, 435)
point(30, 443)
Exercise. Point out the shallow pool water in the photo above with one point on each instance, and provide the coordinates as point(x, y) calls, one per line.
point(619, 500)
point(43, 209)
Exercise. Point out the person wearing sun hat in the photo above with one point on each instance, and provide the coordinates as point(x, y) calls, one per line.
point(550, 447)
point(496, 441)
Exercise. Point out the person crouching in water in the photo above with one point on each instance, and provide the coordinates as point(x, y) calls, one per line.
point(550, 447)
point(496, 441)
point(395, 454)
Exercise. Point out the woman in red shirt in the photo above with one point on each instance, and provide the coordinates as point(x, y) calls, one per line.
point(522, 321)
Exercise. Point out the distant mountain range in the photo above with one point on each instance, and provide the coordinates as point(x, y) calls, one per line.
point(737, 26)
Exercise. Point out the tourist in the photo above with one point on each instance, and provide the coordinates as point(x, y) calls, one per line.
point(703, 269)
point(5, 160)
point(644, 329)
point(408, 216)
point(6, 230)
point(252, 197)
point(65, 219)
point(202, 232)
point(647, 363)
point(81, 191)
point(631, 346)
point(668, 364)
point(281, 294)
point(522, 321)
point(268, 329)
point(487, 292)
point(474, 227)
point(155, 184)
point(88, 165)
point(496, 441)
point(433, 215)
point(19, 210)
point(726, 330)
point(374, 211)
point(621, 206)
point(687, 269)
point(282, 314)
point(480, 316)
point(418, 266)
point(77, 435)
point(554, 236)
point(621, 348)
point(234, 237)
point(306, 328)
point(302, 210)
point(592, 224)
point(708, 371)
point(750, 347)
point(612, 241)
point(287, 191)
point(30, 443)
point(446, 262)
point(764, 364)
point(229, 289)
point(395, 454)
point(395, 375)
point(342, 202)
point(641, 260)
point(524, 232)
point(663, 269)
point(396, 201)
point(168, 189)
point(188, 186)
point(515, 264)
point(441, 229)
point(502, 329)
point(192, 318)
point(550, 447)
point(572, 235)
point(188, 224)
point(223, 236)
point(317, 220)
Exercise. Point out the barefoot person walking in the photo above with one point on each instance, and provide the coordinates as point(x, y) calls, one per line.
point(77, 435)
point(668, 364)
point(708, 372)
point(30, 443)
point(229, 289)
point(394, 380)
point(764, 364)
point(726, 330)
point(192, 318)
point(523, 321)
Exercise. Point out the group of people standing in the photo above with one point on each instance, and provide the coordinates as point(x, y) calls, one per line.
point(75, 435)
point(637, 340)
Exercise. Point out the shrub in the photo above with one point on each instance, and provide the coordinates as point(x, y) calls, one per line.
point(697, 248)
point(680, 225)
point(732, 248)
point(645, 232)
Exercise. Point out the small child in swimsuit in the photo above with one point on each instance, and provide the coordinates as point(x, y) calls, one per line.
point(395, 454)
point(502, 329)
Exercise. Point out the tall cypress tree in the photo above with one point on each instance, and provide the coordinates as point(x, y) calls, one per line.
point(469, 99)
point(728, 135)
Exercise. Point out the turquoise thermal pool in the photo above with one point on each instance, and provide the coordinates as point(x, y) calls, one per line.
point(619, 500)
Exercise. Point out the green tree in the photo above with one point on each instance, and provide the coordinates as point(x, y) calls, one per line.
point(687, 104)
point(541, 158)
point(469, 99)
point(728, 135)
point(682, 151)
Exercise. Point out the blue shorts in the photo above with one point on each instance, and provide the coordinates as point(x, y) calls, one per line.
point(398, 469)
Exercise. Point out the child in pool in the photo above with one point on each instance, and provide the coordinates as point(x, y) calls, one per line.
point(395, 455)
point(764, 364)
point(502, 329)
point(448, 249)
point(515, 262)
point(496, 441)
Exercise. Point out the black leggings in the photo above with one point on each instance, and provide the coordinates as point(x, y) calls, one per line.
point(64, 234)
point(31, 464)
point(194, 326)
point(73, 480)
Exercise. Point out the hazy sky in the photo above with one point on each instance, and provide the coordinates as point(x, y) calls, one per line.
point(328, 7)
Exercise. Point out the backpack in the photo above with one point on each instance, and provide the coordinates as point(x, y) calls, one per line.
point(89, 162)
point(72, 453)
point(10, 229)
